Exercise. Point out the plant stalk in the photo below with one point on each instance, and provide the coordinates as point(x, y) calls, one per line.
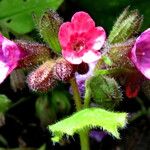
point(84, 137)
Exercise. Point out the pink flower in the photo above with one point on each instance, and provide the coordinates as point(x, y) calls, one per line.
point(9, 56)
point(140, 53)
point(80, 39)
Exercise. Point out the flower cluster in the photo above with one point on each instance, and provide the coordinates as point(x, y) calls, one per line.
point(88, 61)
point(81, 42)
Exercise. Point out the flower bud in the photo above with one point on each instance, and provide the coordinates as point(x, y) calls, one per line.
point(63, 70)
point(42, 78)
point(35, 53)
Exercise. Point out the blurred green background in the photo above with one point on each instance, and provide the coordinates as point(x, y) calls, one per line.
point(105, 12)
point(16, 15)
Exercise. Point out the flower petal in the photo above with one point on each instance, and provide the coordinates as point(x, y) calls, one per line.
point(146, 72)
point(71, 56)
point(4, 71)
point(96, 38)
point(1, 38)
point(82, 22)
point(91, 56)
point(140, 53)
point(9, 57)
point(65, 32)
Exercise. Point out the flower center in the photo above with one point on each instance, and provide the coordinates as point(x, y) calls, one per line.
point(78, 46)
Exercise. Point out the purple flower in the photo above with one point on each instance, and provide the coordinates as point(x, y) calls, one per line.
point(9, 56)
point(140, 53)
point(80, 79)
point(97, 135)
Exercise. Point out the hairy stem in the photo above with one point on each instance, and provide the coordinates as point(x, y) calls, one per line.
point(84, 138)
point(87, 97)
point(76, 95)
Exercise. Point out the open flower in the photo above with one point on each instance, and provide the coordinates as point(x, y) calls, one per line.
point(140, 53)
point(9, 56)
point(80, 39)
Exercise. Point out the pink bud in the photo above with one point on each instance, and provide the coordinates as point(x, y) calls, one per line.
point(63, 70)
point(42, 78)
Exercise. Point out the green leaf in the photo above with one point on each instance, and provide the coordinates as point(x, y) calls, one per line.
point(104, 91)
point(5, 103)
point(48, 26)
point(16, 15)
point(89, 118)
point(128, 23)
point(107, 60)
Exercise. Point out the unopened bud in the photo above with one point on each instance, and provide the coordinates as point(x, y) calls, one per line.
point(35, 53)
point(63, 70)
point(42, 78)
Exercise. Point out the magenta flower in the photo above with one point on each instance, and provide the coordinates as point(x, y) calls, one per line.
point(9, 56)
point(80, 39)
point(140, 53)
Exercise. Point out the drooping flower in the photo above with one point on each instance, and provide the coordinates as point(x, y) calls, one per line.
point(81, 41)
point(81, 78)
point(10, 54)
point(140, 53)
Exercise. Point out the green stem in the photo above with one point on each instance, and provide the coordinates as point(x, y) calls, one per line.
point(84, 138)
point(76, 95)
point(87, 97)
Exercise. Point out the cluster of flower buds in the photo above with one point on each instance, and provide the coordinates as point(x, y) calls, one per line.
point(45, 77)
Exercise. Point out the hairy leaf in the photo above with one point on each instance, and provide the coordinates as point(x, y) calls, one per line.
point(48, 26)
point(105, 91)
point(16, 15)
point(87, 119)
point(128, 23)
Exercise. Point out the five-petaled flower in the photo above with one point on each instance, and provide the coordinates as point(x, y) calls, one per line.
point(140, 53)
point(9, 56)
point(80, 40)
